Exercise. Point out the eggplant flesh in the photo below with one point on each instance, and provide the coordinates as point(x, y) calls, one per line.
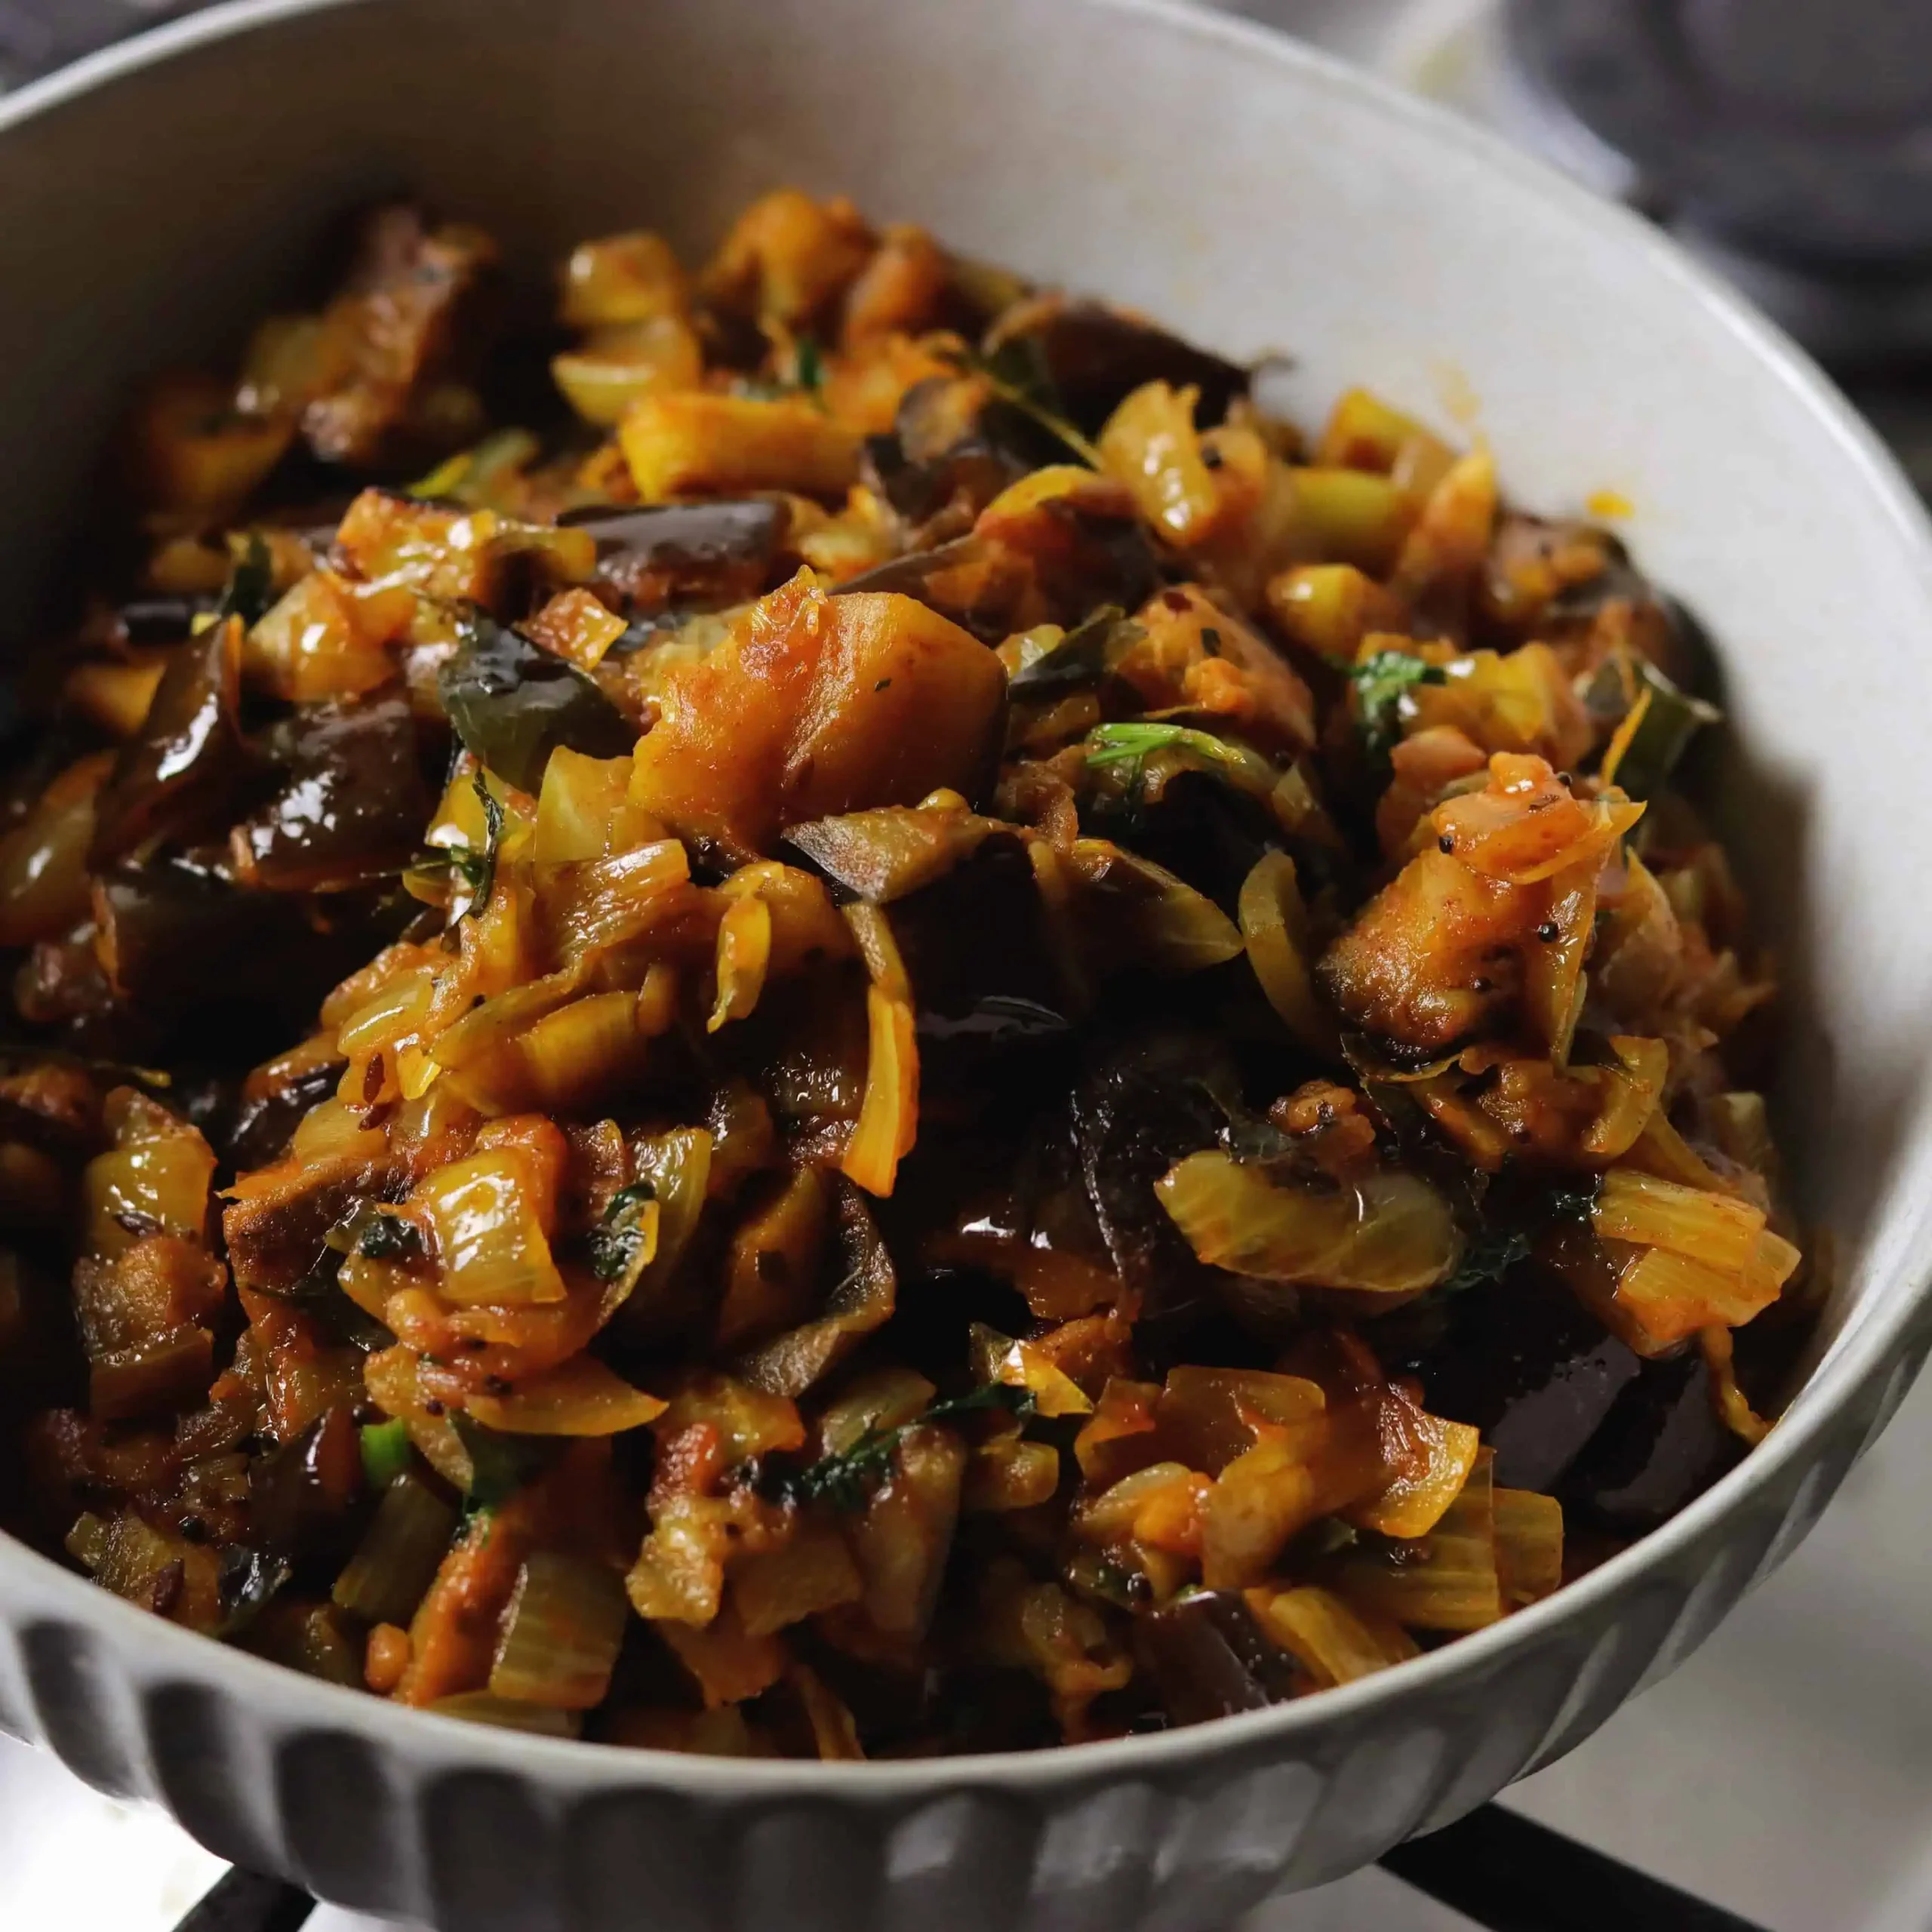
point(1524, 1363)
point(1209, 1658)
point(1662, 1443)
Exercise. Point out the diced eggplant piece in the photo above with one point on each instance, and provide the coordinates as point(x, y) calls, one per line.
point(976, 950)
point(353, 803)
point(391, 332)
point(163, 927)
point(300, 1494)
point(278, 1229)
point(184, 772)
point(1200, 828)
point(691, 556)
point(1663, 1444)
point(512, 704)
point(1524, 1363)
point(259, 1129)
point(1095, 355)
point(1208, 1658)
point(1139, 1106)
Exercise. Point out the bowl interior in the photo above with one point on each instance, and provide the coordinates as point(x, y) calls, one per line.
point(1258, 204)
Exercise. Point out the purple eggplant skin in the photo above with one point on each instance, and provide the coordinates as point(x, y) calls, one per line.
point(1140, 1105)
point(259, 1130)
point(1209, 1658)
point(1662, 1443)
point(691, 556)
point(1522, 1360)
point(183, 775)
point(351, 804)
point(1096, 356)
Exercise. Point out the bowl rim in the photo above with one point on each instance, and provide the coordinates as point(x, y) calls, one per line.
point(169, 1653)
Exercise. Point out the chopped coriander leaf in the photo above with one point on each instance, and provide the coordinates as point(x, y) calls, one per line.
point(1379, 682)
point(1115, 744)
point(616, 1241)
point(807, 366)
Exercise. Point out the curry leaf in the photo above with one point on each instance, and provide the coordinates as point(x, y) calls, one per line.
point(513, 704)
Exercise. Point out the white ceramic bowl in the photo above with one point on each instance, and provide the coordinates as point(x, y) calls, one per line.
point(1258, 197)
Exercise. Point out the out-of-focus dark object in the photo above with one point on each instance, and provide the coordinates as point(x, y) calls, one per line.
point(1789, 141)
point(1511, 1876)
point(36, 36)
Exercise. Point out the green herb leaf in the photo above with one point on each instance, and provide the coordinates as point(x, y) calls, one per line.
point(807, 364)
point(1379, 683)
point(613, 1243)
point(845, 1481)
point(1016, 373)
point(1115, 744)
point(385, 1453)
point(1488, 1256)
point(250, 587)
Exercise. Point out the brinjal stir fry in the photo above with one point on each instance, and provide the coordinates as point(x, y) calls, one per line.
point(816, 1007)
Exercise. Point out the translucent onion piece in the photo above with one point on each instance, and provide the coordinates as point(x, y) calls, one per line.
point(398, 1557)
point(1733, 1407)
point(998, 1357)
point(485, 1707)
point(1274, 924)
point(1446, 1580)
point(1334, 1644)
point(1719, 1230)
point(744, 953)
point(1208, 1417)
point(579, 1396)
point(1009, 1473)
point(1432, 1458)
point(490, 1244)
point(1389, 1233)
point(728, 1663)
point(810, 1571)
point(888, 1118)
point(1529, 1546)
point(564, 1628)
point(833, 1730)
point(1526, 824)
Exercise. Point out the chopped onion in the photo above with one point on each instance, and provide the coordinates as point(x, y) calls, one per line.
point(1389, 1233)
point(579, 1396)
point(397, 1559)
point(1334, 1644)
point(564, 1627)
point(1274, 924)
point(490, 1244)
point(1529, 1545)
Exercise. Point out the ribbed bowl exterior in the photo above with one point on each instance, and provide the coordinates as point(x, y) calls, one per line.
point(416, 1819)
point(156, 199)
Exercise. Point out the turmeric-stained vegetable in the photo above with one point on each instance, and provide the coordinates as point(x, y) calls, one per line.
point(1388, 1232)
point(899, 990)
point(817, 705)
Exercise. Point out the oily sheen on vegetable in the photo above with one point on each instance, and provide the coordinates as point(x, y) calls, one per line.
point(833, 1012)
